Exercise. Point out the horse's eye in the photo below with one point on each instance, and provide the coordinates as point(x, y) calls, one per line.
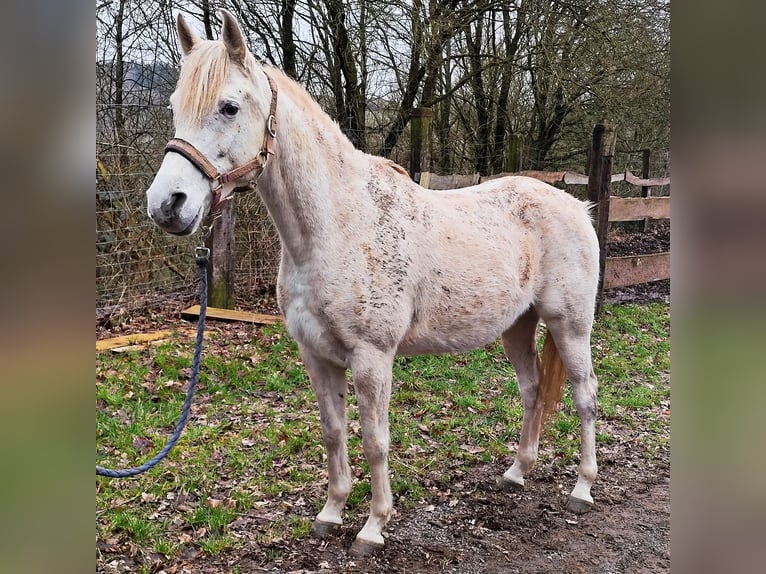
point(229, 109)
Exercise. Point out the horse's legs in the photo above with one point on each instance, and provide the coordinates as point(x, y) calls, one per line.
point(329, 384)
point(573, 342)
point(519, 343)
point(371, 370)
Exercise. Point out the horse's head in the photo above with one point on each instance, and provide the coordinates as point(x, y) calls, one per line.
point(223, 110)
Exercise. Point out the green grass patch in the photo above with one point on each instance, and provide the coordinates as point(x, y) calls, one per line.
point(252, 449)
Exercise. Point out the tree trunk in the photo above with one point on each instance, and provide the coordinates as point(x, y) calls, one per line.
point(352, 110)
point(207, 19)
point(441, 122)
point(503, 132)
point(482, 105)
point(119, 84)
point(414, 77)
point(287, 38)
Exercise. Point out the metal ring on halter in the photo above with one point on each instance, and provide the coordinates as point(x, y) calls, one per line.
point(206, 231)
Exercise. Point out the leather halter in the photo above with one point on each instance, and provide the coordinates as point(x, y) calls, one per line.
point(217, 179)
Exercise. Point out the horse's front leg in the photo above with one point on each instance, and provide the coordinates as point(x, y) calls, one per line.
point(329, 384)
point(371, 370)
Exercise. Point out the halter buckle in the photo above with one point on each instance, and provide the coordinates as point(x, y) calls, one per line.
point(270, 126)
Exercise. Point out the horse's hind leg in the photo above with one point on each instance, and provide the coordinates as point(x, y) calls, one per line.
point(519, 343)
point(573, 342)
point(329, 384)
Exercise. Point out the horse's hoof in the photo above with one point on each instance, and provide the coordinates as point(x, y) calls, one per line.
point(504, 483)
point(578, 505)
point(363, 548)
point(321, 529)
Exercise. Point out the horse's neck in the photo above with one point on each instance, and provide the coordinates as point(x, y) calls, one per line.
point(296, 188)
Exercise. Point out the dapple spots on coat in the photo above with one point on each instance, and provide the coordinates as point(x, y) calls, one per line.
point(524, 215)
point(368, 257)
point(359, 298)
point(345, 218)
point(525, 264)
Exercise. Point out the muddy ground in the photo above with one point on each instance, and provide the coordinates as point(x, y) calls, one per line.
point(479, 530)
point(469, 527)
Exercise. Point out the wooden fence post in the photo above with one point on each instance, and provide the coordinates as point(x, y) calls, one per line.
point(220, 272)
point(599, 190)
point(513, 154)
point(420, 142)
point(646, 191)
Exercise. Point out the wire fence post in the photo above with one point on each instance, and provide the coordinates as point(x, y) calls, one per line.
point(646, 191)
point(220, 271)
point(420, 151)
point(513, 154)
point(599, 190)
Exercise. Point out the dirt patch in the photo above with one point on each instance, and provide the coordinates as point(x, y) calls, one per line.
point(477, 529)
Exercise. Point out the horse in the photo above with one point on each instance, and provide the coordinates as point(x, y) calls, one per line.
point(374, 266)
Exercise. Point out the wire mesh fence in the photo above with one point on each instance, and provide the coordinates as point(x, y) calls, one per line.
point(137, 264)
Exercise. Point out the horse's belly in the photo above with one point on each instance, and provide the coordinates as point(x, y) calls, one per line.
point(456, 340)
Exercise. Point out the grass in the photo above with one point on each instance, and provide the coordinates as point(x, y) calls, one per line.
point(252, 451)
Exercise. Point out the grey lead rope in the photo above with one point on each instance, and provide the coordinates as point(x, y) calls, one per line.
point(202, 254)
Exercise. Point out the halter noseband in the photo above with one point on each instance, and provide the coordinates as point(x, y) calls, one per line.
point(217, 179)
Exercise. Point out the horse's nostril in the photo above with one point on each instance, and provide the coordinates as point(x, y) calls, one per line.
point(172, 205)
point(178, 199)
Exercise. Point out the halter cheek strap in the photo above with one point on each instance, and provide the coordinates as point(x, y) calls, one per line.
point(256, 165)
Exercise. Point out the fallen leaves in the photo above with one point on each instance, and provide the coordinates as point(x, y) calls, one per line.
point(472, 449)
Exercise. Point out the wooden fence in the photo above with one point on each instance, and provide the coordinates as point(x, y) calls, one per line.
point(614, 271)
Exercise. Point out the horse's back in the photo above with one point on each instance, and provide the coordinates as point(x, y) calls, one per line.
point(539, 238)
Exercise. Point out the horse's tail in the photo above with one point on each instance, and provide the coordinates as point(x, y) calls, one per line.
point(553, 375)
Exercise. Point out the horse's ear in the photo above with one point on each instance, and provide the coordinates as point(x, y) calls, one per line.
point(233, 38)
point(187, 36)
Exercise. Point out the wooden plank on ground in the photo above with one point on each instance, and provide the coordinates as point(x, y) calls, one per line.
point(137, 347)
point(232, 315)
point(638, 208)
point(127, 340)
point(633, 270)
